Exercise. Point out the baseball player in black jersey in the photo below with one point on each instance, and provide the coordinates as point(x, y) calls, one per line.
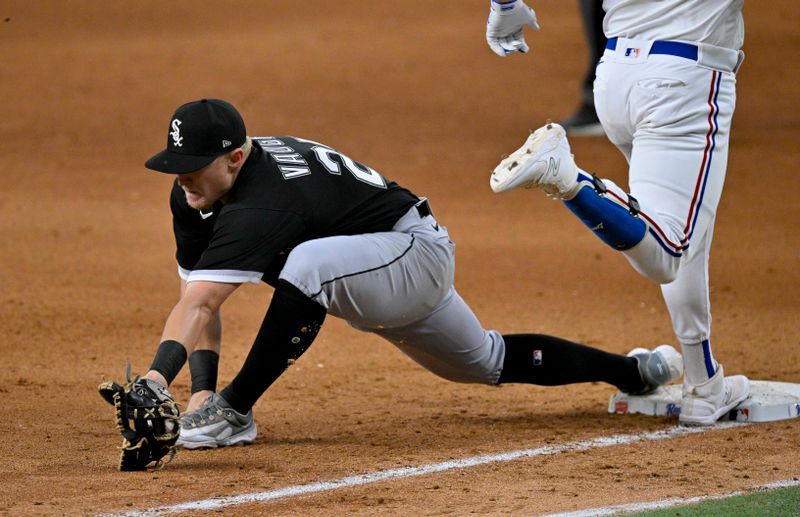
point(332, 236)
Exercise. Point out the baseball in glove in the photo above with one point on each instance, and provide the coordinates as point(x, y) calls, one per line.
point(147, 417)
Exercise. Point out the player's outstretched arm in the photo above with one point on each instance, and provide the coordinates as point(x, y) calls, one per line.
point(191, 316)
point(506, 24)
point(204, 360)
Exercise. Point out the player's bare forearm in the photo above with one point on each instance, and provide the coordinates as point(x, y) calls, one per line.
point(210, 339)
point(196, 316)
point(211, 335)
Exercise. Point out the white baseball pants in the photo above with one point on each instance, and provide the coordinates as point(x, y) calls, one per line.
point(671, 118)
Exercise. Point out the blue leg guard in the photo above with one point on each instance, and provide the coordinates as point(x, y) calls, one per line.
point(615, 225)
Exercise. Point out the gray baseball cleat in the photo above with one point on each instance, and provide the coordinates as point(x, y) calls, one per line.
point(544, 161)
point(216, 424)
point(709, 401)
point(657, 367)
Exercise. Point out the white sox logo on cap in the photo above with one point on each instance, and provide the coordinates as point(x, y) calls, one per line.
point(177, 139)
point(213, 127)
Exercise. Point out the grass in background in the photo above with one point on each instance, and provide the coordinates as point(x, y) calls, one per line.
point(784, 502)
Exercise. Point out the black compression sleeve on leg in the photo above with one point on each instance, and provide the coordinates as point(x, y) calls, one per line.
point(203, 365)
point(551, 361)
point(289, 327)
point(169, 359)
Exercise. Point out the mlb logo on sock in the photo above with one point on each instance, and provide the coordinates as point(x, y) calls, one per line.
point(631, 52)
point(537, 357)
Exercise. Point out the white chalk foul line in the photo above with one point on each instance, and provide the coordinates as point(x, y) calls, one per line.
point(669, 503)
point(405, 472)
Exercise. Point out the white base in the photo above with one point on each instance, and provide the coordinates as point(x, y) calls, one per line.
point(768, 401)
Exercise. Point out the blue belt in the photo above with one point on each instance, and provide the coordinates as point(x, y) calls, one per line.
point(672, 48)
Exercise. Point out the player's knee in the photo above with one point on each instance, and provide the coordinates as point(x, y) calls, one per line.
point(666, 276)
point(660, 272)
point(653, 262)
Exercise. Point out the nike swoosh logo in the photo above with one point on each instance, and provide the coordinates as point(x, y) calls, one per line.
point(205, 216)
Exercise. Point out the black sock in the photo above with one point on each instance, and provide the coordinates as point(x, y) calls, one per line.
point(289, 327)
point(551, 361)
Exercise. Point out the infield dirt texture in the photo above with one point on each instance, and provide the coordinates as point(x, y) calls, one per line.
point(87, 270)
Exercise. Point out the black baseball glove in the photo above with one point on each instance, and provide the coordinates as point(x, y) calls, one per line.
point(147, 417)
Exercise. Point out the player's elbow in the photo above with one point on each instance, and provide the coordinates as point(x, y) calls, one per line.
point(207, 296)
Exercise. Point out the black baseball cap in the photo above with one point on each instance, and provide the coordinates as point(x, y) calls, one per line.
point(198, 132)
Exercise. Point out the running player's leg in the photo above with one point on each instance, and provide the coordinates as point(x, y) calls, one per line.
point(670, 142)
point(671, 119)
point(674, 134)
point(677, 172)
point(687, 299)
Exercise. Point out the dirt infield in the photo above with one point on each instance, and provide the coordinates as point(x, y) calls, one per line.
point(87, 271)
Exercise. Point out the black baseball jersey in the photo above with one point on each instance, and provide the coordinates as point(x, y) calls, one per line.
point(288, 191)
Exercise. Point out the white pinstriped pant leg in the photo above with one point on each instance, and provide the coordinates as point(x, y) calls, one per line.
point(671, 119)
